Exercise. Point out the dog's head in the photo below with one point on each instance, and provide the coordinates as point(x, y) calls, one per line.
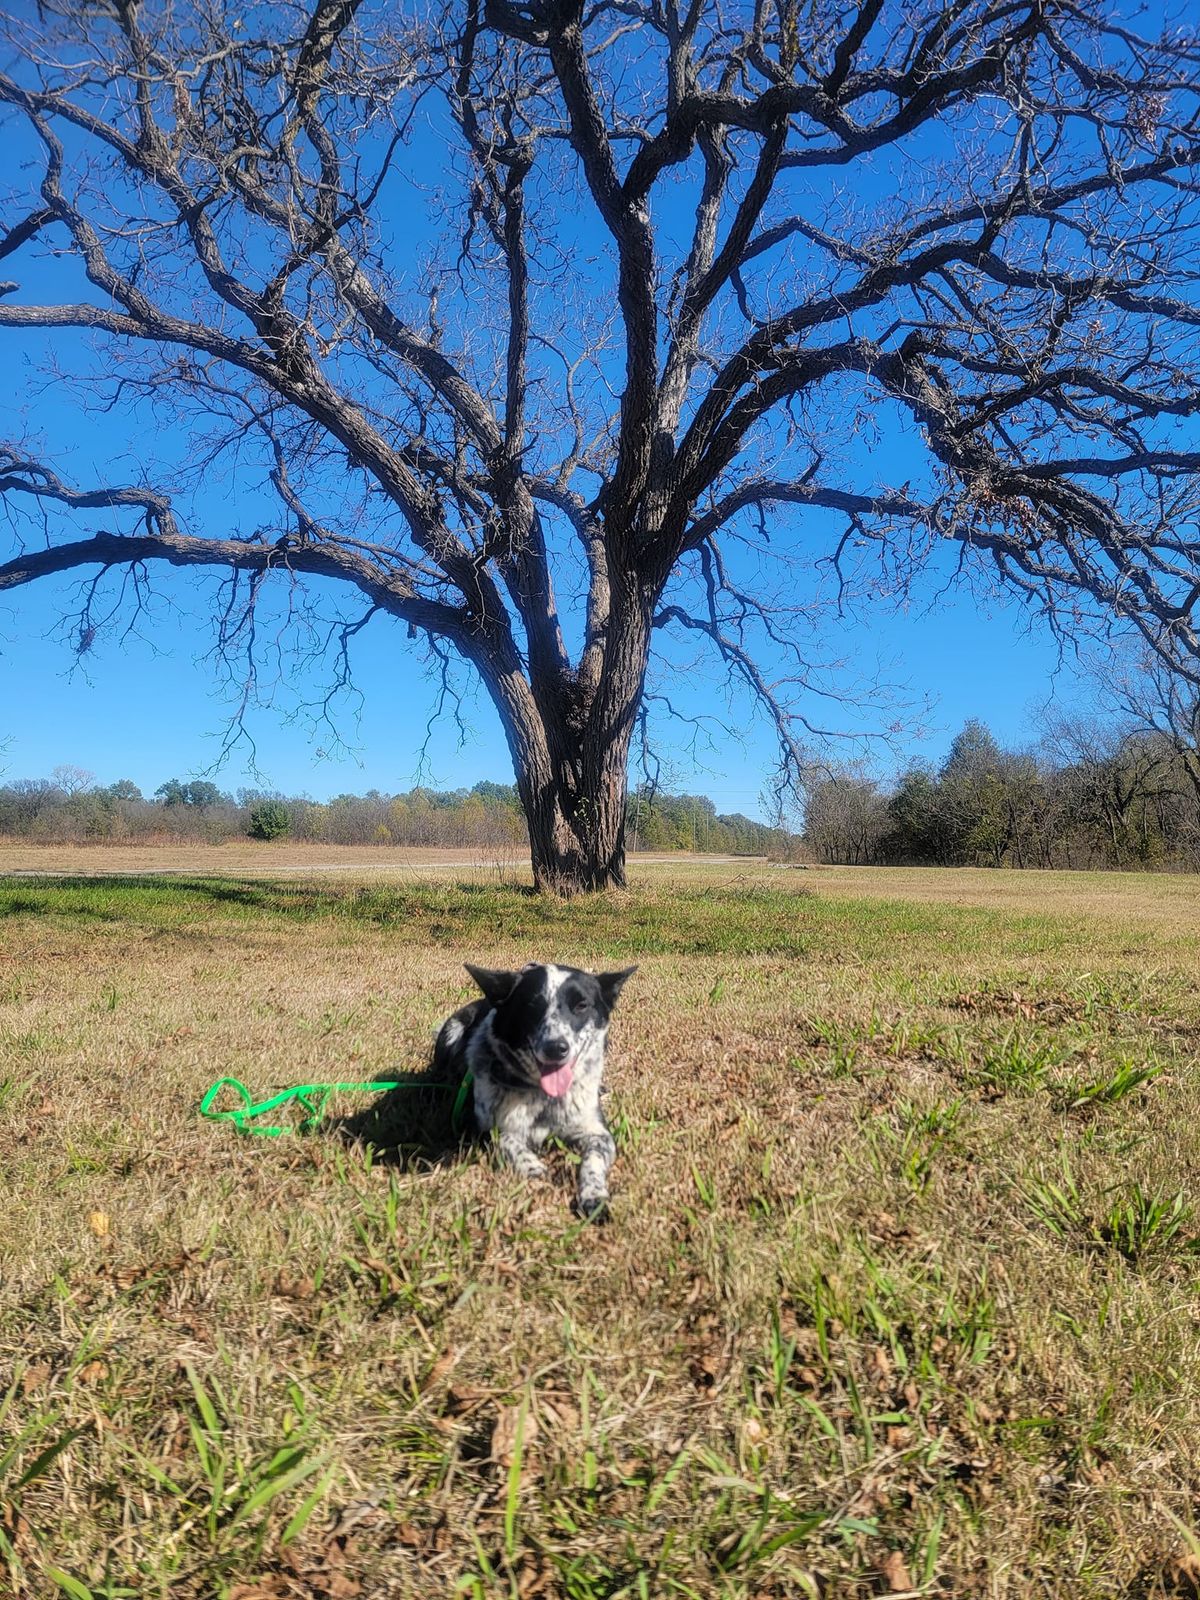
point(544, 1018)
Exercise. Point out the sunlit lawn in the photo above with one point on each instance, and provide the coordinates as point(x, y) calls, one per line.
point(899, 1294)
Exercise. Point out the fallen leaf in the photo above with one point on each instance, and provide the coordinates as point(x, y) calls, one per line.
point(561, 1413)
point(511, 1428)
point(806, 1340)
point(126, 1277)
point(93, 1372)
point(461, 1402)
point(290, 1288)
point(355, 1515)
point(440, 1368)
point(895, 1573)
point(99, 1222)
point(703, 1369)
point(176, 1436)
point(535, 1578)
point(15, 1527)
point(1182, 1573)
point(33, 1377)
point(381, 1270)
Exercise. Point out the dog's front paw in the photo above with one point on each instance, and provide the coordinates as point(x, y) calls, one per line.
point(593, 1208)
point(517, 1155)
point(527, 1166)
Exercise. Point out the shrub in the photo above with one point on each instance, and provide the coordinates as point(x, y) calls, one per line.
point(269, 819)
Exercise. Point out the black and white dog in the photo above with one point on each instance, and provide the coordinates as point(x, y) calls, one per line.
point(535, 1046)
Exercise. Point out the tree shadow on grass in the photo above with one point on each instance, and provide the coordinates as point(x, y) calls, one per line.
point(505, 886)
point(135, 897)
point(119, 897)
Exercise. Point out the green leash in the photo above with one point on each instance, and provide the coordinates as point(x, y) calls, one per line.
point(313, 1098)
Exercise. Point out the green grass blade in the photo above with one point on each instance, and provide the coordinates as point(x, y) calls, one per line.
point(300, 1518)
point(42, 1463)
point(272, 1488)
point(69, 1585)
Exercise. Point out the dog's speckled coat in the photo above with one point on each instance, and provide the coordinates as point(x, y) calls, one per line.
point(536, 1044)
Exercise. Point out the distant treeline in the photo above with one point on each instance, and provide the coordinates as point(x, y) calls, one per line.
point(70, 807)
point(1090, 794)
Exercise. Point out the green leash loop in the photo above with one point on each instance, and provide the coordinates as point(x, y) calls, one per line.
point(313, 1098)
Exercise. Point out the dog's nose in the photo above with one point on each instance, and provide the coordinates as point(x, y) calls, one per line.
point(556, 1050)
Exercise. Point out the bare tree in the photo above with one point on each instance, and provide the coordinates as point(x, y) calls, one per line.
point(1159, 702)
point(1116, 777)
point(845, 817)
point(763, 228)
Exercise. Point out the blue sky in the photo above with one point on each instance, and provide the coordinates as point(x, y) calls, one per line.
point(152, 710)
point(148, 706)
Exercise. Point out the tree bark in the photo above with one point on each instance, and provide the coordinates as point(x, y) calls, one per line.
point(569, 854)
point(576, 841)
point(572, 760)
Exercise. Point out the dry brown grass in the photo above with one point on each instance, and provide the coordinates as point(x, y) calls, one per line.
point(247, 858)
point(897, 1290)
point(1163, 899)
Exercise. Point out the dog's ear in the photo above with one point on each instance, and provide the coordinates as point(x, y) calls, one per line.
point(496, 985)
point(611, 984)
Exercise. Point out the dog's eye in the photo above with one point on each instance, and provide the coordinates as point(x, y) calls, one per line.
point(579, 1007)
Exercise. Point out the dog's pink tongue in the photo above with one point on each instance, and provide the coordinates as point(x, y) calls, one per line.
point(557, 1083)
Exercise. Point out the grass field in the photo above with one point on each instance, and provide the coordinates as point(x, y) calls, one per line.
point(901, 1294)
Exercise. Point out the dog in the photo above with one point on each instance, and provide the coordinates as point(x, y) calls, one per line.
point(535, 1046)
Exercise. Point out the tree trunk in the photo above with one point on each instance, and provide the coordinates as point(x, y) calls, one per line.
point(576, 847)
point(571, 758)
